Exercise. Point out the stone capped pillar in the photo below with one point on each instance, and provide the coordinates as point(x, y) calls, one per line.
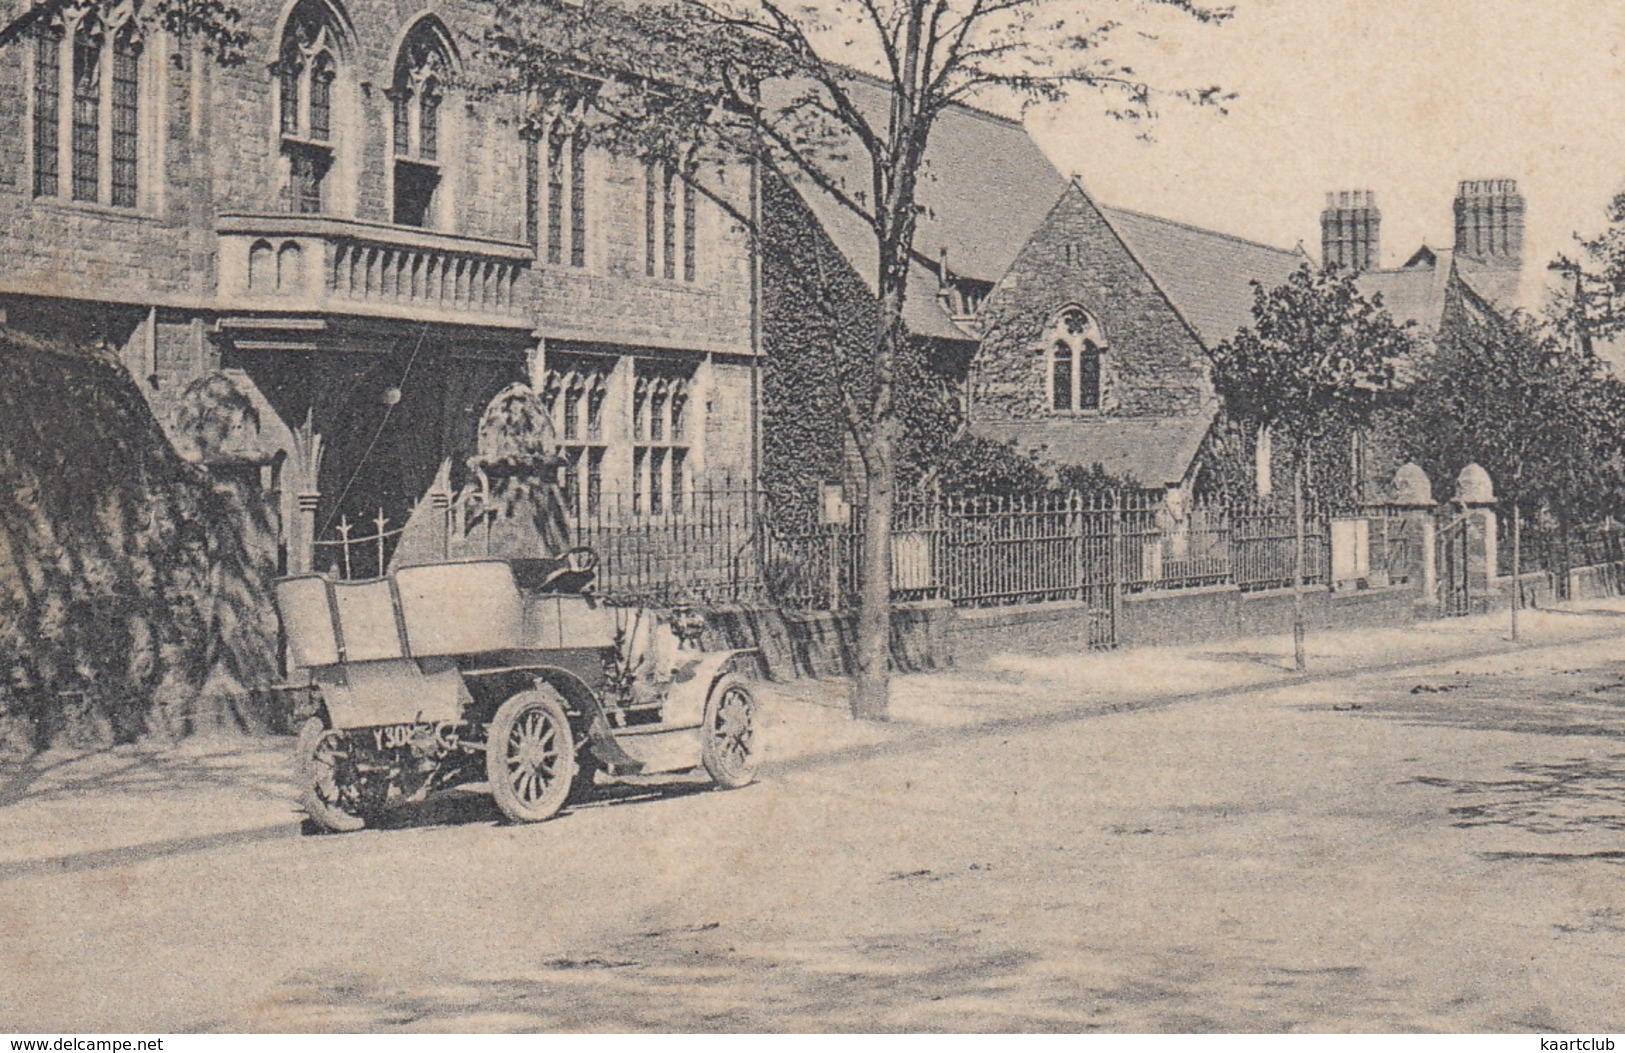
point(1410, 499)
point(304, 471)
point(1476, 495)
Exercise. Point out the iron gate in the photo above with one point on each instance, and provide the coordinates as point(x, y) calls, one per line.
point(1455, 592)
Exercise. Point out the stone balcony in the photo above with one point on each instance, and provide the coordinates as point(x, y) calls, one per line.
point(320, 264)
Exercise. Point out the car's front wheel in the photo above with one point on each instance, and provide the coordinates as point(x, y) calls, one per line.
point(731, 749)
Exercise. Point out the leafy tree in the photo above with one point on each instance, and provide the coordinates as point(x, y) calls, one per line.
point(1539, 413)
point(1592, 306)
point(1318, 361)
point(215, 26)
point(768, 80)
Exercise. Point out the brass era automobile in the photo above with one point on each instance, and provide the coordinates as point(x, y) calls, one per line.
point(508, 672)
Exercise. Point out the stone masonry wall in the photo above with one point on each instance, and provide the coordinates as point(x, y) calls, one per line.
point(214, 148)
point(1154, 366)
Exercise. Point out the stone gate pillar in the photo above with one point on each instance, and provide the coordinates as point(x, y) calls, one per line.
point(1411, 502)
point(304, 475)
point(1476, 496)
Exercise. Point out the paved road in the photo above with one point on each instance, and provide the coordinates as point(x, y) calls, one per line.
point(1434, 848)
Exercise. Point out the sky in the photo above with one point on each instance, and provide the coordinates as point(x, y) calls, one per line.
point(1401, 97)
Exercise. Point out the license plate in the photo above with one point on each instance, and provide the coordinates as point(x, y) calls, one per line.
point(396, 736)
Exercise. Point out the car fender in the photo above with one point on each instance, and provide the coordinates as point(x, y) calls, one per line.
point(691, 687)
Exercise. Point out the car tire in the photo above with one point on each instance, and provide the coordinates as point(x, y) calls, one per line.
point(731, 747)
point(530, 756)
point(321, 773)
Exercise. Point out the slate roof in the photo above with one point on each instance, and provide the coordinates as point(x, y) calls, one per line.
point(1500, 285)
point(1205, 274)
point(1414, 294)
point(1417, 291)
point(1154, 452)
point(984, 188)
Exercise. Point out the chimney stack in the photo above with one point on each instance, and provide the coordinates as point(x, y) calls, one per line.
point(1350, 231)
point(1489, 221)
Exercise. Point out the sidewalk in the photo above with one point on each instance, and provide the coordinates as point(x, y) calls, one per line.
point(66, 811)
point(1011, 687)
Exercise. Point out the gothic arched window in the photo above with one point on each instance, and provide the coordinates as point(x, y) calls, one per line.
point(416, 94)
point(87, 112)
point(670, 217)
point(1075, 348)
point(308, 72)
point(556, 170)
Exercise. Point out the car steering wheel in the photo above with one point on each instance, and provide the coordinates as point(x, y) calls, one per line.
point(580, 561)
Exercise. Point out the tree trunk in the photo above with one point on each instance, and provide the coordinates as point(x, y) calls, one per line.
point(871, 690)
point(894, 181)
point(1298, 659)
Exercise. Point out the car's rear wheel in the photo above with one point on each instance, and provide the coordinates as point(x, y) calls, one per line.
point(530, 756)
point(326, 789)
point(731, 749)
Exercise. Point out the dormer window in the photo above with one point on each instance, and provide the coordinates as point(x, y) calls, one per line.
point(416, 96)
point(1075, 349)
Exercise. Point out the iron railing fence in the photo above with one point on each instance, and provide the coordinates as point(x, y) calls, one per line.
point(357, 550)
point(705, 545)
point(820, 567)
point(1073, 547)
point(1545, 546)
point(722, 545)
point(1264, 540)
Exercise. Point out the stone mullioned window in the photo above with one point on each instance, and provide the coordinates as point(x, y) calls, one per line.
point(87, 120)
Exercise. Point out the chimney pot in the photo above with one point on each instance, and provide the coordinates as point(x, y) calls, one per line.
point(1489, 221)
point(1350, 230)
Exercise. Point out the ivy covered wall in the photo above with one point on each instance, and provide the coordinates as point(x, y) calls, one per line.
point(819, 329)
point(134, 588)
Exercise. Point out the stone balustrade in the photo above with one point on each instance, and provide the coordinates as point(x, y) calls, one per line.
point(321, 264)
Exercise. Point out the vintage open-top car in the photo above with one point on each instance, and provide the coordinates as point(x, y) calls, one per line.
point(508, 672)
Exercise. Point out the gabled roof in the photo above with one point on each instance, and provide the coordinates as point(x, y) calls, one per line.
point(1207, 275)
point(1414, 294)
point(1154, 452)
point(1497, 283)
point(984, 187)
point(1419, 291)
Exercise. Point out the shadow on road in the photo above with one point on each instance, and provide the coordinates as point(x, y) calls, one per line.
point(1583, 795)
point(452, 809)
point(136, 772)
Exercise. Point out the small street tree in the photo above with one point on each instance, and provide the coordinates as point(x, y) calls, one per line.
point(1318, 361)
point(775, 82)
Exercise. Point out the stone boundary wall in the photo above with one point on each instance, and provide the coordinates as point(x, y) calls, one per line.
point(935, 635)
point(1597, 582)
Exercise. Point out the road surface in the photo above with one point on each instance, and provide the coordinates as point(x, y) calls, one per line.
point(1437, 847)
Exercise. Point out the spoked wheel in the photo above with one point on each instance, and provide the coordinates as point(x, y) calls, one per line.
point(325, 779)
point(731, 750)
point(530, 756)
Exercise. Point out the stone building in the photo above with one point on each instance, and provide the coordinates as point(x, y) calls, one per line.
point(984, 186)
point(367, 254)
point(1095, 342)
point(1095, 345)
